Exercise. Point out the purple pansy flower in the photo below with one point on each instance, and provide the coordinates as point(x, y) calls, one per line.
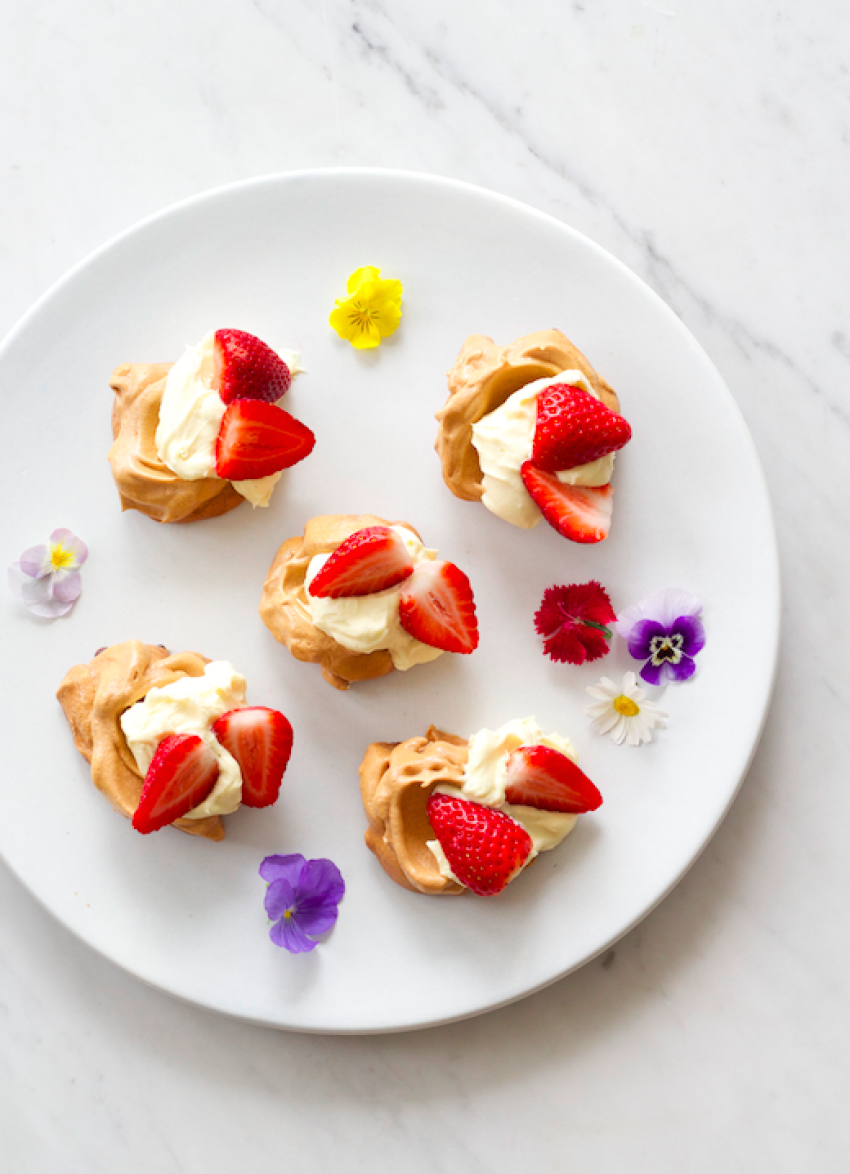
point(665, 631)
point(46, 578)
point(301, 899)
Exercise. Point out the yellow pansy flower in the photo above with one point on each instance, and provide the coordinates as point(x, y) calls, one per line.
point(371, 311)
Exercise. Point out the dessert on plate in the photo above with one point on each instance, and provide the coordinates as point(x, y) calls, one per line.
point(448, 814)
point(531, 430)
point(362, 596)
point(195, 439)
point(171, 738)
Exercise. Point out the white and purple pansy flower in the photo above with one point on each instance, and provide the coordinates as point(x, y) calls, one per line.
point(301, 899)
point(46, 578)
point(666, 632)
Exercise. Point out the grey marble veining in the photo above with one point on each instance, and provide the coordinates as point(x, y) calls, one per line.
point(708, 147)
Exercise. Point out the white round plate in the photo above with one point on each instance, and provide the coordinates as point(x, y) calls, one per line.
point(269, 256)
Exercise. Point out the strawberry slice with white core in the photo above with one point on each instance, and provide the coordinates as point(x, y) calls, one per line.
point(256, 439)
point(246, 368)
point(181, 775)
point(581, 513)
point(542, 777)
point(260, 739)
point(368, 561)
point(484, 847)
point(436, 606)
point(574, 428)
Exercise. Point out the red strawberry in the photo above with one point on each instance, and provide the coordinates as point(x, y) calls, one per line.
point(256, 439)
point(260, 740)
point(436, 606)
point(485, 848)
point(574, 428)
point(182, 773)
point(245, 368)
point(579, 512)
point(539, 776)
point(369, 560)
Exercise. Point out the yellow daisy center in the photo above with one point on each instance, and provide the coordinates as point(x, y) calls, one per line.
point(626, 706)
point(61, 557)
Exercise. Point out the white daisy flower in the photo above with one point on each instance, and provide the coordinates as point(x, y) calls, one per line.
point(622, 712)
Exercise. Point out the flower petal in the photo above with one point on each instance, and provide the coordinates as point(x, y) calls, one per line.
point(627, 619)
point(280, 897)
point(635, 733)
point(321, 879)
point(366, 337)
point(693, 633)
point(71, 542)
point(67, 586)
point(663, 607)
point(386, 318)
point(342, 321)
point(640, 638)
point(317, 916)
point(595, 643)
point(653, 674)
point(566, 647)
point(620, 730)
point(35, 562)
point(608, 721)
point(37, 594)
point(283, 867)
point(682, 671)
point(360, 276)
point(673, 602)
point(289, 934)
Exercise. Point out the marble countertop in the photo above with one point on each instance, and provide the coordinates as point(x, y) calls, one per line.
point(705, 145)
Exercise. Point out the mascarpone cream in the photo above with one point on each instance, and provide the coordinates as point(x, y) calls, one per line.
point(190, 705)
point(504, 439)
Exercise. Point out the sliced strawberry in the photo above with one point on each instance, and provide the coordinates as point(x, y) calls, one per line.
point(260, 740)
point(246, 368)
point(579, 512)
point(256, 439)
point(574, 428)
point(541, 777)
point(182, 773)
point(369, 560)
point(485, 848)
point(436, 606)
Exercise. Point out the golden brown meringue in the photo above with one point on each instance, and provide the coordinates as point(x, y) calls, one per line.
point(144, 482)
point(483, 377)
point(93, 696)
point(283, 606)
point(396, 780)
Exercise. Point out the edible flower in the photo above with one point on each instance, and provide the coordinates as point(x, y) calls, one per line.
point(573, 622)
point(301, 899)
point(46, 578)
point(622, 711)
point(371, 311)
point(666, 632)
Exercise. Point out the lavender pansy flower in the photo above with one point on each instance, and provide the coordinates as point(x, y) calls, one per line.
point(666, 632)
point(301, 899)
point(46, 578)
